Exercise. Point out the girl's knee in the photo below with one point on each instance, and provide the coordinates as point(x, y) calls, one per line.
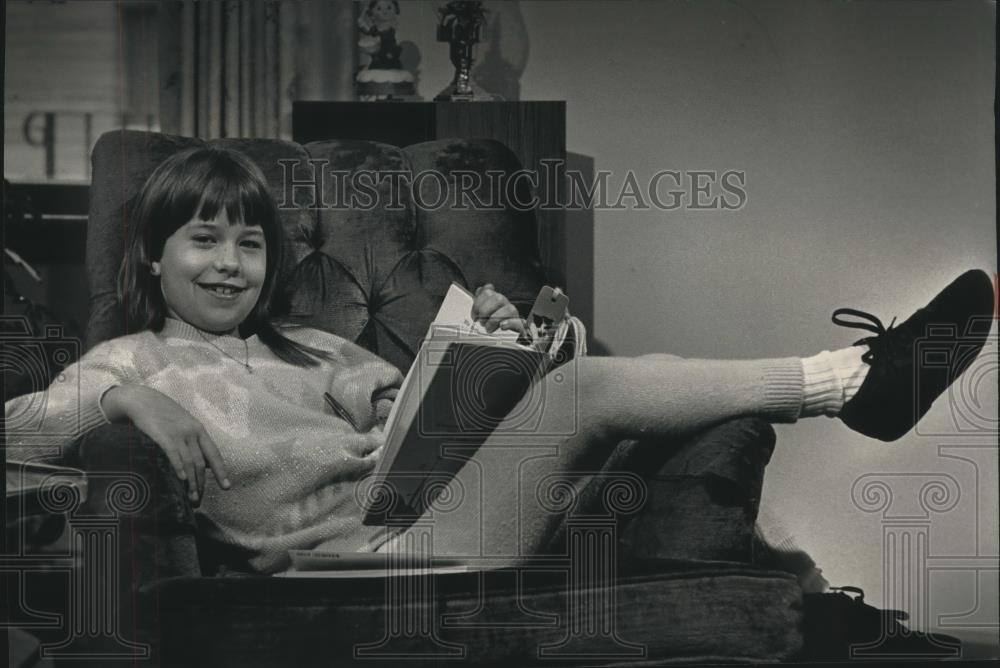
point(599, 391)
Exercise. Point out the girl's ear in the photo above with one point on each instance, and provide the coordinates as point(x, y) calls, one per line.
point(154, 268)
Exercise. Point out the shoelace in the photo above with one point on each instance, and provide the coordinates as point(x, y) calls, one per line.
point(881, 346)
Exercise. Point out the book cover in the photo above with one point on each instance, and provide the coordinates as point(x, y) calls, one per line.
point(460, 387)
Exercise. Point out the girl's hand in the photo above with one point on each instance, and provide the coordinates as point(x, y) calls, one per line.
point(181, 437)
point(494, 310)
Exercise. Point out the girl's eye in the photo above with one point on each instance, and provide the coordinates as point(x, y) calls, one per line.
point(250, 243)
point(203, 239)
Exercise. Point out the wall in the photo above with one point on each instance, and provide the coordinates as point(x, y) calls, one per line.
point(61, 60)
point(865, 132)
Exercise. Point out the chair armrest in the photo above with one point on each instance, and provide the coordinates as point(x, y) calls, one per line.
point(159, 538)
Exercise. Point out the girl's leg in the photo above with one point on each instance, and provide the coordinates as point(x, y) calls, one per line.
point(586, 407)
point(665, 397)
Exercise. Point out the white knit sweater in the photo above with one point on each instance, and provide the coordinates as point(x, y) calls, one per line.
point(292, 461)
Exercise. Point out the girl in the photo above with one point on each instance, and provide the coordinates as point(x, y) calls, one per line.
point(218, 384)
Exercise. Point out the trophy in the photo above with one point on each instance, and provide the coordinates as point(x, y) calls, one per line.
point(461, 24)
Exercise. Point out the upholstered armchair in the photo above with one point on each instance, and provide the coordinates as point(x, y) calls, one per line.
point(376, 276)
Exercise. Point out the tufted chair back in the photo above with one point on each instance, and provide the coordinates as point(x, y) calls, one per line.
point(371, 274)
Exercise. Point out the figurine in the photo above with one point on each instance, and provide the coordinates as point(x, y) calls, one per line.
point(384, 77)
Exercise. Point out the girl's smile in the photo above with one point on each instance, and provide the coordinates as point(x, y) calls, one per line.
point(223, 291)
point(212, 272)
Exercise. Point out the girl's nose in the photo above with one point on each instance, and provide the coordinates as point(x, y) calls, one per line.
point(227, 258)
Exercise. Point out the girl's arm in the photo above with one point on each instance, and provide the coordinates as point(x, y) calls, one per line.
point(106, 385)
point(182, 438)
point(51, 419)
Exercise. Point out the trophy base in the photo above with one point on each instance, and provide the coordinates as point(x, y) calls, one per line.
point(471, 94)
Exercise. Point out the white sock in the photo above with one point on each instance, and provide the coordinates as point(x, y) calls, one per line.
point(832, 379)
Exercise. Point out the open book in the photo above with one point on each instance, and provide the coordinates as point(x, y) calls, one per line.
point(460, 387)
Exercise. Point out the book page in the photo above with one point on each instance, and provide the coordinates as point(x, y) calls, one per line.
point(456, 311)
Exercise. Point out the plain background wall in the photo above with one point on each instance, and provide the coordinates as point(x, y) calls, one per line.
point(865, 132)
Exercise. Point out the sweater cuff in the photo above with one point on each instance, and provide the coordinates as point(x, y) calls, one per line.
point(91, 418)
point(783, 389)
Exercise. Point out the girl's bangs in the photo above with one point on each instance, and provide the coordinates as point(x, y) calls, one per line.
point(240, 198)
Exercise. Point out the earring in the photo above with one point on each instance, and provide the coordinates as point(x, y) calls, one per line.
point(154, 268)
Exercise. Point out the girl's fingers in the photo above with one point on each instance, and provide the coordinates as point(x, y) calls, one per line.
point(175, 461)
point(213, 458)
point(199, 462)
point(515, 324)
point(494, 311)
point(191, 477)
point(506, 312)
point(486, 300)
point(486, 304)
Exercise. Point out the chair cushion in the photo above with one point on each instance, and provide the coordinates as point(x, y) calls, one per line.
point(658, 611)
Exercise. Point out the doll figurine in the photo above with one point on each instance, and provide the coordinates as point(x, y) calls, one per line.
point(384, 76)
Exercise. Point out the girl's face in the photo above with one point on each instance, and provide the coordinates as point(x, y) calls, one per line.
point(212, 272)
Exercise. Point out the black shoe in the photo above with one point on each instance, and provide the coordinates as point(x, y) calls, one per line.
point(840, 626)
point(912, 364)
